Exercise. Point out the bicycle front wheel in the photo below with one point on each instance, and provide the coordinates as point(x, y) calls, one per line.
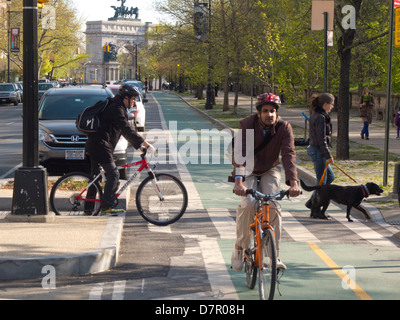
point(70, 196)
point(249, 267)
point(162, 199)
point(267, 273)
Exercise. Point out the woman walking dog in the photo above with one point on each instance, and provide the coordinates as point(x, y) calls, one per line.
point(320, 143)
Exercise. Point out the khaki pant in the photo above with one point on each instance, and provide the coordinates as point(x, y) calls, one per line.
point(269, 184)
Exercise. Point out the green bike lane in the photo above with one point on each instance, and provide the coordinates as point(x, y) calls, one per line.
point(316, 271)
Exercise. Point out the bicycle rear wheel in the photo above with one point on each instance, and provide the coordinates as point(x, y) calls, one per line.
point(163, 201)
point(268, 273)
point(70, 197)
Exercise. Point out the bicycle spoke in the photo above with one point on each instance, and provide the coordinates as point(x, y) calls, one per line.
point(71, 197)
point(268, 272)
point(162, 204)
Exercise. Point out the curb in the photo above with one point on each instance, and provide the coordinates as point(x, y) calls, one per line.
point(101, 259)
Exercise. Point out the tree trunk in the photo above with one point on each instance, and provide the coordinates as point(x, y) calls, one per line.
point(344, 52)
point(342, 149)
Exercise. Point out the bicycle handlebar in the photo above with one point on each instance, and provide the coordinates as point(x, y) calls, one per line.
point(266, 197)
point(144, 151)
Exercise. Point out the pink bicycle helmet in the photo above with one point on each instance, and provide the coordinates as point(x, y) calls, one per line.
point(268, 98)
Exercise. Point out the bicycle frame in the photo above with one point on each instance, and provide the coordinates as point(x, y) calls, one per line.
point(261, 222)
point(143, 164)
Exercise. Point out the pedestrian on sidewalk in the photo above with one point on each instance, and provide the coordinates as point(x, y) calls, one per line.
point(366, 103)
point(397, 123)
point(320, 143)
point(264, 163)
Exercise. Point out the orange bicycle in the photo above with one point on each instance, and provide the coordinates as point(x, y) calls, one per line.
point(261, 257)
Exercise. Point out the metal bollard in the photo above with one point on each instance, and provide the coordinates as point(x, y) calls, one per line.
point(396, 181)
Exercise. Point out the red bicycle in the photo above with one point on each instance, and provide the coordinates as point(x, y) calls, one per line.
point(161, 198)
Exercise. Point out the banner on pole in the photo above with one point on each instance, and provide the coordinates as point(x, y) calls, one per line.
point(397, 27)
point(14, 40)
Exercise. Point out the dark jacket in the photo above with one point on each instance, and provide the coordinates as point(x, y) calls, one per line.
point(282, 143)
point(321, 132)
point(114, 123)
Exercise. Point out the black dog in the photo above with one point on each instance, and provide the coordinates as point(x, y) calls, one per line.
point(351, 196)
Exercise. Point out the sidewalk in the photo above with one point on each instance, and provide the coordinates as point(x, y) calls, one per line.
point(71, 245)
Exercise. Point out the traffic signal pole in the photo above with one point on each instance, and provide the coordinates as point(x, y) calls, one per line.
point(30, 198)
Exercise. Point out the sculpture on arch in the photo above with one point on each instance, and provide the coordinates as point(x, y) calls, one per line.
point(124, 12)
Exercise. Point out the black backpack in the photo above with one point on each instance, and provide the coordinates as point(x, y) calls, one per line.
point(88, 120)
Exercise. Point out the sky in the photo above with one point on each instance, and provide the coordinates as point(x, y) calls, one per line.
point(93, 10)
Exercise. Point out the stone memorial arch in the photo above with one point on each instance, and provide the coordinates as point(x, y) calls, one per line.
point(105, 40)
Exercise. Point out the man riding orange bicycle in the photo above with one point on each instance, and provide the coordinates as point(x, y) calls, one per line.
point(269, 130)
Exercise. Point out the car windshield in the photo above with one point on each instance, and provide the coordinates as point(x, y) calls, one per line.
point(135, 83)
point(45, 86)
point(6, 87)
point(66, 107)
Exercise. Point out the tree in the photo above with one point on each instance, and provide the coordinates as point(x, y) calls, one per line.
point(345, 44)
point(57, 49)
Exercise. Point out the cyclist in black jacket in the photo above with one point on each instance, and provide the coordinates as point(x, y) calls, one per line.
point(101, 144)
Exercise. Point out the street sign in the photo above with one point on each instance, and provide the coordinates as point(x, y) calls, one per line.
point(317, 14)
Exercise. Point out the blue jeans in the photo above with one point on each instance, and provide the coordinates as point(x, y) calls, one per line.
point(365, 130)
point(319, 165)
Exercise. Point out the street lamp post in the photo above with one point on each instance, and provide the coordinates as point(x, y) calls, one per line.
point(30, 202)
point(8, 40)
point(209, 91)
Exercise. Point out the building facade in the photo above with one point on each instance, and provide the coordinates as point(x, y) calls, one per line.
point(105, 40)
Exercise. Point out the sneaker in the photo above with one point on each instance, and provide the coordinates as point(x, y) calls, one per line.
point(280, 264)
point(237, 260)
point(111, 212)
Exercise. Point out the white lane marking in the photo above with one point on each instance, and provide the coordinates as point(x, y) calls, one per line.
point(295, 229)
point(224, 223)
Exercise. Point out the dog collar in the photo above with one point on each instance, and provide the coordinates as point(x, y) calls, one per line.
point(365, 191)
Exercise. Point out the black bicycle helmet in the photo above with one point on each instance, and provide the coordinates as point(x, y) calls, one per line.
point(128, 90)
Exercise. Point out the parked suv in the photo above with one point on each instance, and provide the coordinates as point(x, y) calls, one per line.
point(61, 145)
point(10, 93)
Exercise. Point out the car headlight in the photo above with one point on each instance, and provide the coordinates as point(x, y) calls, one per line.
point(44, 136)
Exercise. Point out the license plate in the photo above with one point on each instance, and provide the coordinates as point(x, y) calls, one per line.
point(74, 154)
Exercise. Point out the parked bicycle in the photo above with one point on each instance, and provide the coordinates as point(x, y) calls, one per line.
point(161, 198)
point(261, 257)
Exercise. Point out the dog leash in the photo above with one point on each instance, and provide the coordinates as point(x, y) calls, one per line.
point(326, 166)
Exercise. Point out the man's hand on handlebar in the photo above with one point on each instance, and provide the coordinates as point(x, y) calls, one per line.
point(146, 146)
point(239, 189)
point(294, 190)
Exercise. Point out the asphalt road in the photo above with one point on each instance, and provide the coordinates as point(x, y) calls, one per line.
point(11, 139)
